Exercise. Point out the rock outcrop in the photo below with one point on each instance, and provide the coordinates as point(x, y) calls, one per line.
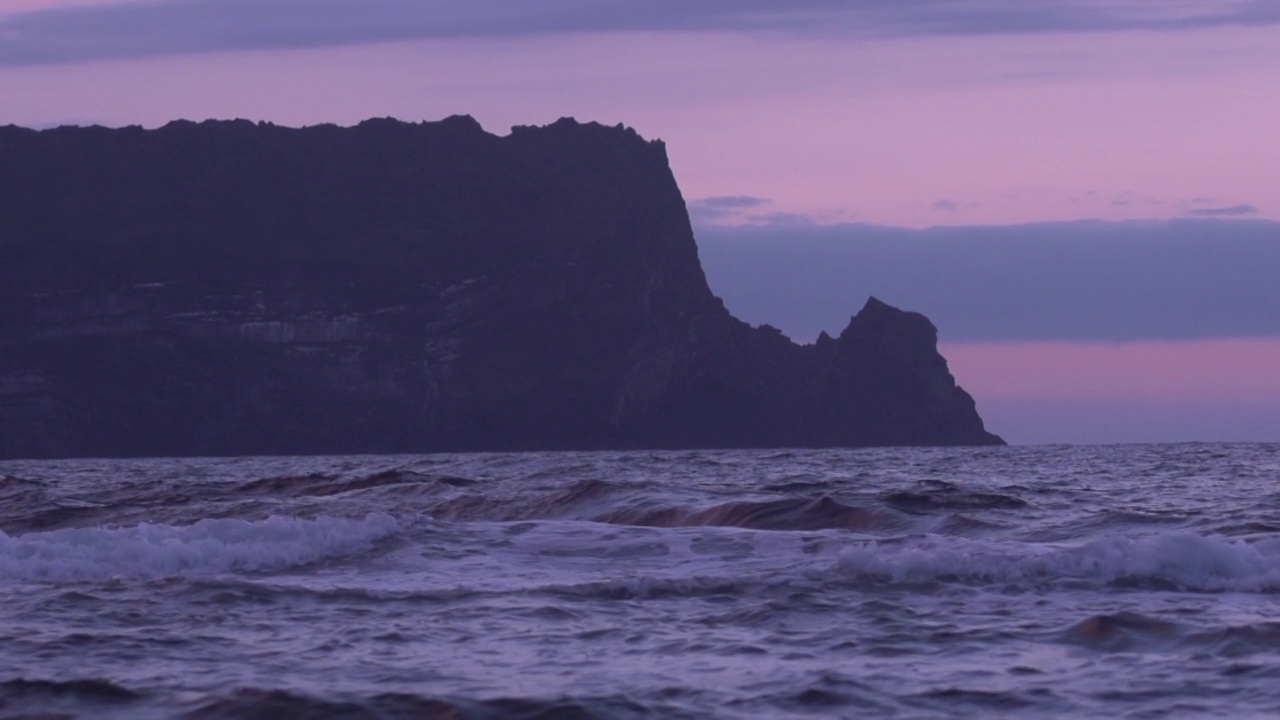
point(237, 288)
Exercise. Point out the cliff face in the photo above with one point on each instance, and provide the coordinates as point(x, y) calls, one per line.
point(232, 288)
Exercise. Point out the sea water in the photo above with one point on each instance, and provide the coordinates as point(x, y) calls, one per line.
point(1117, 581)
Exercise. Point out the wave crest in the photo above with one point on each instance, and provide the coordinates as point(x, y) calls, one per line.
point(210, 546)
point(1179, 560)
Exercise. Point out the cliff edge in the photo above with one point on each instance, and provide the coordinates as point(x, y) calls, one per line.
point(227, 287)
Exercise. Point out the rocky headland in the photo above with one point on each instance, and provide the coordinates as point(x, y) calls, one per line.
point(227, 287)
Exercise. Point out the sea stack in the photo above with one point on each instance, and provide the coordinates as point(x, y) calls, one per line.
point(232, 288)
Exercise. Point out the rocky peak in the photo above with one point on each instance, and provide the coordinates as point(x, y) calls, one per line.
point(228, 287)
point(899, 334)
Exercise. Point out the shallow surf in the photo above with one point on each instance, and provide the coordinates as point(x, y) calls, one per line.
point(1133, 581)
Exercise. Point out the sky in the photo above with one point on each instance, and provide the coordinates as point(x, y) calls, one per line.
point(1084, 195)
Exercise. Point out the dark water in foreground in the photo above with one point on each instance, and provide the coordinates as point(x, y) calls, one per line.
point(1125, 581)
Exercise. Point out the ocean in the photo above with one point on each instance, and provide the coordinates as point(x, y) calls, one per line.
point(1136, 581)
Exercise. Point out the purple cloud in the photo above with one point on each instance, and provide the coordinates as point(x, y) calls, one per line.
point(730, 202)
point(723, 208)
point(163, 27)
point(1232, 211)
point(1085, 281)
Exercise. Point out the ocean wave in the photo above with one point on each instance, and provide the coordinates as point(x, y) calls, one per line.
point(1121, 632)
point(257, 703)
point(28, 691)
point(1182, 561)
point(11, 482)
point(935, 495)
point(210, 546)
point(796, 513)
point(1132, 631)
point(653, 588)
point(618, 504)
point(321, 484)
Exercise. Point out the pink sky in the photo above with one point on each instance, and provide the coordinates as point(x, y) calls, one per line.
point(15, 7)
point(1216, 389)
point(912, 131)
point(1005, 128)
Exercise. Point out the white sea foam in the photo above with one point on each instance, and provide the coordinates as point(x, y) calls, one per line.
point(1183, 560)
point(207, 547)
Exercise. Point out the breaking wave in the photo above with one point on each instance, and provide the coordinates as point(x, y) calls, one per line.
point(210, 546)
point(1176, 560)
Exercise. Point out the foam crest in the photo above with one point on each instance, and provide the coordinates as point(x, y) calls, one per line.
point(210, 546)
point(1181, 560)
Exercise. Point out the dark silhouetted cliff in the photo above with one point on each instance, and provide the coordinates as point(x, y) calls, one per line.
point(240, 288)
